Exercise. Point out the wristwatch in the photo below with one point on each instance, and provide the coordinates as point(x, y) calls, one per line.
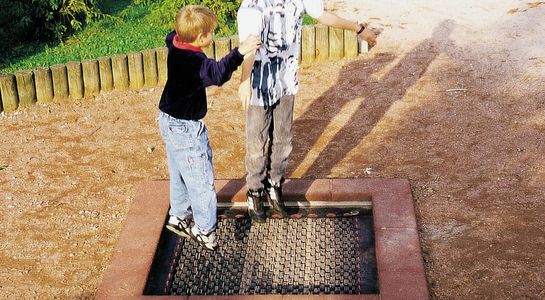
point(361, 29)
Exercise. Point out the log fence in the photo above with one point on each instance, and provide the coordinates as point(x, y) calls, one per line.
point(161, 65)
point(44, 85)
point(136, 70)
point(150, 68)
point(75, 80)
point(91, 77)
point(105, 74)
point(147, 69)
point(120, 72)
point(60, 82)
point(322, 43)
point(222, 46)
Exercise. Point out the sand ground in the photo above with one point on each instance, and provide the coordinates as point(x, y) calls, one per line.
point(452, 98)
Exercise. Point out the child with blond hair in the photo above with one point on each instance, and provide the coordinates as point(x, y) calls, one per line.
point(183, 105)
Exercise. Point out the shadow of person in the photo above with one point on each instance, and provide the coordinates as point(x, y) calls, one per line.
point(375, 96)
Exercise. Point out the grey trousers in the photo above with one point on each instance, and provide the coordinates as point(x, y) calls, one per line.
point(272, 125)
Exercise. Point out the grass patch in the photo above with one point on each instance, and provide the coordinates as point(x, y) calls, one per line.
point(3, 166)
point(127, 28)
point(308, 20)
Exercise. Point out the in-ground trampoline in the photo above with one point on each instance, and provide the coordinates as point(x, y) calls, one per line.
point(342, 239)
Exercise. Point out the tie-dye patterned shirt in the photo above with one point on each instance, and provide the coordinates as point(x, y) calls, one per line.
point(279, 24)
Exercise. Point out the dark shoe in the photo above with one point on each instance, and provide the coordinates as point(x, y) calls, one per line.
point(179, 226)
point(274, 197)
point(255, 205)
point(207, 240)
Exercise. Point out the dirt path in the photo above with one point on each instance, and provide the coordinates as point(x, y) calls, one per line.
point(452, 98)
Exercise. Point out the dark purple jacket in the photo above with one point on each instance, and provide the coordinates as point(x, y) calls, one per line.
point(189, 73)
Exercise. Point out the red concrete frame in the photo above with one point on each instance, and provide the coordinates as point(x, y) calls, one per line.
point(399, 259)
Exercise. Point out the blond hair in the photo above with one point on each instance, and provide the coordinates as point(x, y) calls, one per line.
point(192, 20)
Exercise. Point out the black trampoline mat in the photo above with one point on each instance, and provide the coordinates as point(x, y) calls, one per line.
point(329, 253)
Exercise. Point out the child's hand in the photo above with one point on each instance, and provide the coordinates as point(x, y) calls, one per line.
point(249, 45)
point(245, 93)
point(369, 36)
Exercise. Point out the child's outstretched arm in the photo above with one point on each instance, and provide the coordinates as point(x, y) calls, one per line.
point(245, 88)
point(331, 19)
point(218, 72)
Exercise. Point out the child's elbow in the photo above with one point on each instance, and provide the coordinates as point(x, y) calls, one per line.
point(224, 79)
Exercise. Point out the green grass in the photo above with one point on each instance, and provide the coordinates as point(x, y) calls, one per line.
point(126, 30)
point(308, 20)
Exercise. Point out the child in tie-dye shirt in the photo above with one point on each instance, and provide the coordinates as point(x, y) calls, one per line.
point(268, 88)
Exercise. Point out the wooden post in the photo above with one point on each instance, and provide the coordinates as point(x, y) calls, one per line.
point(322, 42)
point(44, 85)
point(350, 44)
point(150, 68)
point(162, 71)
point(105, 73)
point(91, 77)
point(209, 51)
point(136, 70)
point(75, 80)
point(60, 82)
point(120, 72)
point(363, 46)
point(222, 47)
point(235, 41)
point(10, 99)
point(25, 88)
point(336, 43)
point(308, 44)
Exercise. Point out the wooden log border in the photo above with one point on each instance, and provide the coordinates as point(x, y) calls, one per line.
point(105, 73)
point(148, 69)
point(136, 70)
point(44, 85)
point(91, 77)
point(120, 72)
point(162, 54)
point(10, 97)
point(222, 46)
point(75, 80)
point(26, 89)
point(60, 82)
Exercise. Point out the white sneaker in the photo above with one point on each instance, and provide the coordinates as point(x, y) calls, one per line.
point(207, 240)
point(179, 226)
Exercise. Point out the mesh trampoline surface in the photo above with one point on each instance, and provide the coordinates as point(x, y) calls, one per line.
point(330, 252)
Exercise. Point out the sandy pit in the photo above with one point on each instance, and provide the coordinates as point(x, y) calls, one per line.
point(452, 98)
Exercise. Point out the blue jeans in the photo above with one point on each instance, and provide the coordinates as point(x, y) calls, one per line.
point(190, 168)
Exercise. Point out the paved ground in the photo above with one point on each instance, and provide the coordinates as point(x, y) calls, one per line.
point(451, 98)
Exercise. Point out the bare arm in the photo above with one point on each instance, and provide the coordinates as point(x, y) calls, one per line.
point(331, 19)
point(245, 88)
